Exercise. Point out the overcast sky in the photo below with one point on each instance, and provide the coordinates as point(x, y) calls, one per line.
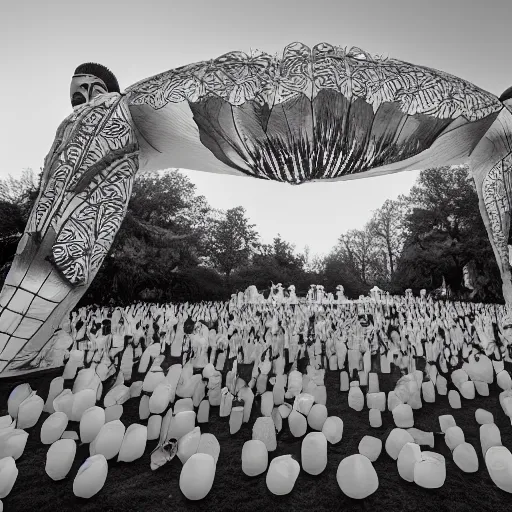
point(42, 42)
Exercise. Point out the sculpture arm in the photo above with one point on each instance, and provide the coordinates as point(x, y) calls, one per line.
point(85, 189)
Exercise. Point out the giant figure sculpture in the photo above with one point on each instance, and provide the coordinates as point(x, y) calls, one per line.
point(324, 113)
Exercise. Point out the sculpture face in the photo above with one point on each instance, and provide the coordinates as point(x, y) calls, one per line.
point(84, 88)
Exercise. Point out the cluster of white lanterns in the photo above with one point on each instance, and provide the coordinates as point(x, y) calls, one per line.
point(180, 392)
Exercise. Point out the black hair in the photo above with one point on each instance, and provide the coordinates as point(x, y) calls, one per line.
point(506, 95)
point(100, 71)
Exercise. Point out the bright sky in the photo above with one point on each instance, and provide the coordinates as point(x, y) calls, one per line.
point(42, 42)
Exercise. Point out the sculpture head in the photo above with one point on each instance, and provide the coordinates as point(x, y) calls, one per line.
point(90, 80)
point(506, 95)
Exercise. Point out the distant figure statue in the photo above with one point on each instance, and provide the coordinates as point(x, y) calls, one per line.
point(252, 296)
point(311, 295)
point(292, 296)
point(340, 294)
point(320, 294)
point(279, 293)
point(376, 293)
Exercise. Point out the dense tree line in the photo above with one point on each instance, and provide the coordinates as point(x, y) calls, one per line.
point(174, 246)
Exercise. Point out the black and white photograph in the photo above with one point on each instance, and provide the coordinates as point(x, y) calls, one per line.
point(256, 256)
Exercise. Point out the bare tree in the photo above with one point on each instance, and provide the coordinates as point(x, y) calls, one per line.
point(388, 231)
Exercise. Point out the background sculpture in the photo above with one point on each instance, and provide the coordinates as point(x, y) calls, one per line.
point(324, 113)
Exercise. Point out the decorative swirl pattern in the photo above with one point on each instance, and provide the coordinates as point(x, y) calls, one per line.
point(85, 238)
point(238, 78)
point(497, 195)
point(82, 144)
point(88, 186)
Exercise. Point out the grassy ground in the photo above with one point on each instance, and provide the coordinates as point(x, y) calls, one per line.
point(134, 487)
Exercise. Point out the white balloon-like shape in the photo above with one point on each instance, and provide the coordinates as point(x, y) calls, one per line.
point(59, 458)
point(396, 440)
point(370, 447)
point(264, 430)
point(90, 424)
point(430, 471)
point(188, 444)
point(357, 477)
point(403, 416)
point(297, 423)
point(75, 361)
point(159, 400)
point(254, 457)
point(154, 377)
point(181, 424)
point(317, 416)
point(12, 443)
point(294, 382)
point(209, 444)
point(356, 399)
point(303, 403)
point(29, 411)
point(8, 475)
point(489, 436)
point(154, 426)
point(407, 458)
point(498, 460)
point(466, 458)
point(282, 475)
point(314, 453)
point(64, 402)
point(91, 476)
point(6, 422)
point(56, 387)
point(117, 395)
point(83, 400)
point(183, 404)
point(197, 475)
point(333, 429)
point(53, 427)
point(86, 379)
point(109, 440)
point(446, 421)
point(453, 437)
point(134, 443)
point(17, 396)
